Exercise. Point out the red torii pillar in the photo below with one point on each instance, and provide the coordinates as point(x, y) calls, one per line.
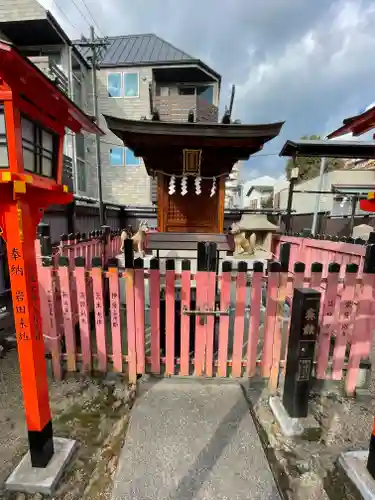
point(33, 116)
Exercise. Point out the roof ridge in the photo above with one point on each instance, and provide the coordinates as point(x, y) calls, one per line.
point(171, 44)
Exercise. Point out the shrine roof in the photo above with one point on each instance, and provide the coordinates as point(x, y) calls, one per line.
point(162, 142)
point(329, 149)
point(26, 80)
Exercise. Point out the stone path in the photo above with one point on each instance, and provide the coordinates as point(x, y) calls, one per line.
point(193, 440)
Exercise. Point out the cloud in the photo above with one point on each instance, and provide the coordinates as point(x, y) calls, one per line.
point(306, 62)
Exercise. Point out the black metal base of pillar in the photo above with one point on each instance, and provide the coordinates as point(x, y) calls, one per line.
point(41, 446)
point(371, 457)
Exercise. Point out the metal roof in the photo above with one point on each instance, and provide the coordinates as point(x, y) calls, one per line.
point(329, 149)
point(139, 50)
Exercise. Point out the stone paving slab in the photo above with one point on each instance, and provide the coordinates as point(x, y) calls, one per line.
point(189, 440)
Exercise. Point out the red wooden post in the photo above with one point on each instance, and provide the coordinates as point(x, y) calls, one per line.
point(329, 320)
point(211, 296)
point(130, 310)
point(255, 307)
point(185, 319)
point(97, 284)
point(67, 312)
point(346, 318)
point(271, 317)
point(139, 290)
point(83, 313)
point(201, 283)
point(239, 321)
point(224, 320)
point(114, 296)
point(154, 282)
point(169, 317)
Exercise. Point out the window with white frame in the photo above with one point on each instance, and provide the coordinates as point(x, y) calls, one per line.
point(123, 84)
point(123, 157)
point(81, 163)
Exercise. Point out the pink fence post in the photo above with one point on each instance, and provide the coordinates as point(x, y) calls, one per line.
point(210, 306)
point(97, 285)
point(139, 290)
point(154, 282)
point(346, 318)
point(130, 324)
point(67, 312)
point(277, 334)
point(239, 320)
point(185, 319)
point(362, 336)
point(226, 280)
point(114, 297)
point(254, 325)
point(48, 308)
point(169, 317)
point(83, 313)
point(270, 318)
point(329, 320)
point(201, 283)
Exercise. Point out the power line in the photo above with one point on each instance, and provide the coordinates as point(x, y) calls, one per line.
point(65, 16)
point(80, 11)
point(92, 17)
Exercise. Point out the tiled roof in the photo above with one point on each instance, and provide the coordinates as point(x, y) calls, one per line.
point(138, 50)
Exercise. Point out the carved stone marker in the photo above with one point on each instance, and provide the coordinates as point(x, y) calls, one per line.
point(301, 348)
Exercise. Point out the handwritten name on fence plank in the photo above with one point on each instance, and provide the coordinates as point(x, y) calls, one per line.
point(83, 313)
point(67, 312)
point(239, 320)
point(115, 313)
point(99, 312)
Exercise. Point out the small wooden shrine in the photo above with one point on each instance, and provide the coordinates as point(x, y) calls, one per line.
point(191, 162)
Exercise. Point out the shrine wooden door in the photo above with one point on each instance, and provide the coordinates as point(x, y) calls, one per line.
point(192, 213)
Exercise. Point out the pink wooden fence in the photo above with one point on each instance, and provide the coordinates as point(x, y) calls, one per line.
point(120, 327)
point(309, 250)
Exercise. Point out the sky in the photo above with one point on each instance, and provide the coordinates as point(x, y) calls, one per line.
point(309, 63)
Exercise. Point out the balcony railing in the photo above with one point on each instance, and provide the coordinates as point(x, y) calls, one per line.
point(53, 71)
point(176, 108)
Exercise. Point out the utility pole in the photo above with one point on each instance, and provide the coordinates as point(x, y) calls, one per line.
point(95, 45)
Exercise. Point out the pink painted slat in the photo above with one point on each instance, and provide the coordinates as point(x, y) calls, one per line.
point(185, 319)
point(362, 331)
point(114, 294)
point(83, 314)
point(97, 282)
point(154, 282)
point(329, 323)
point(277, 334)
point(67, 313)
point(254, 325)
point(346, 317)
point(239, 321)
point(139, 291)
point(169, 318)
point(211, 292)
point(224, 320)
point(270, 319)
point(201, 280)
point(49, 314)
point(130, 324)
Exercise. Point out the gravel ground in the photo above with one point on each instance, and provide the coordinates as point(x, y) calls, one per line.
point(95, 412)
point(306, 467)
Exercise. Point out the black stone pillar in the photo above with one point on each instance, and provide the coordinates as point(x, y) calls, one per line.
point(301, 348)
